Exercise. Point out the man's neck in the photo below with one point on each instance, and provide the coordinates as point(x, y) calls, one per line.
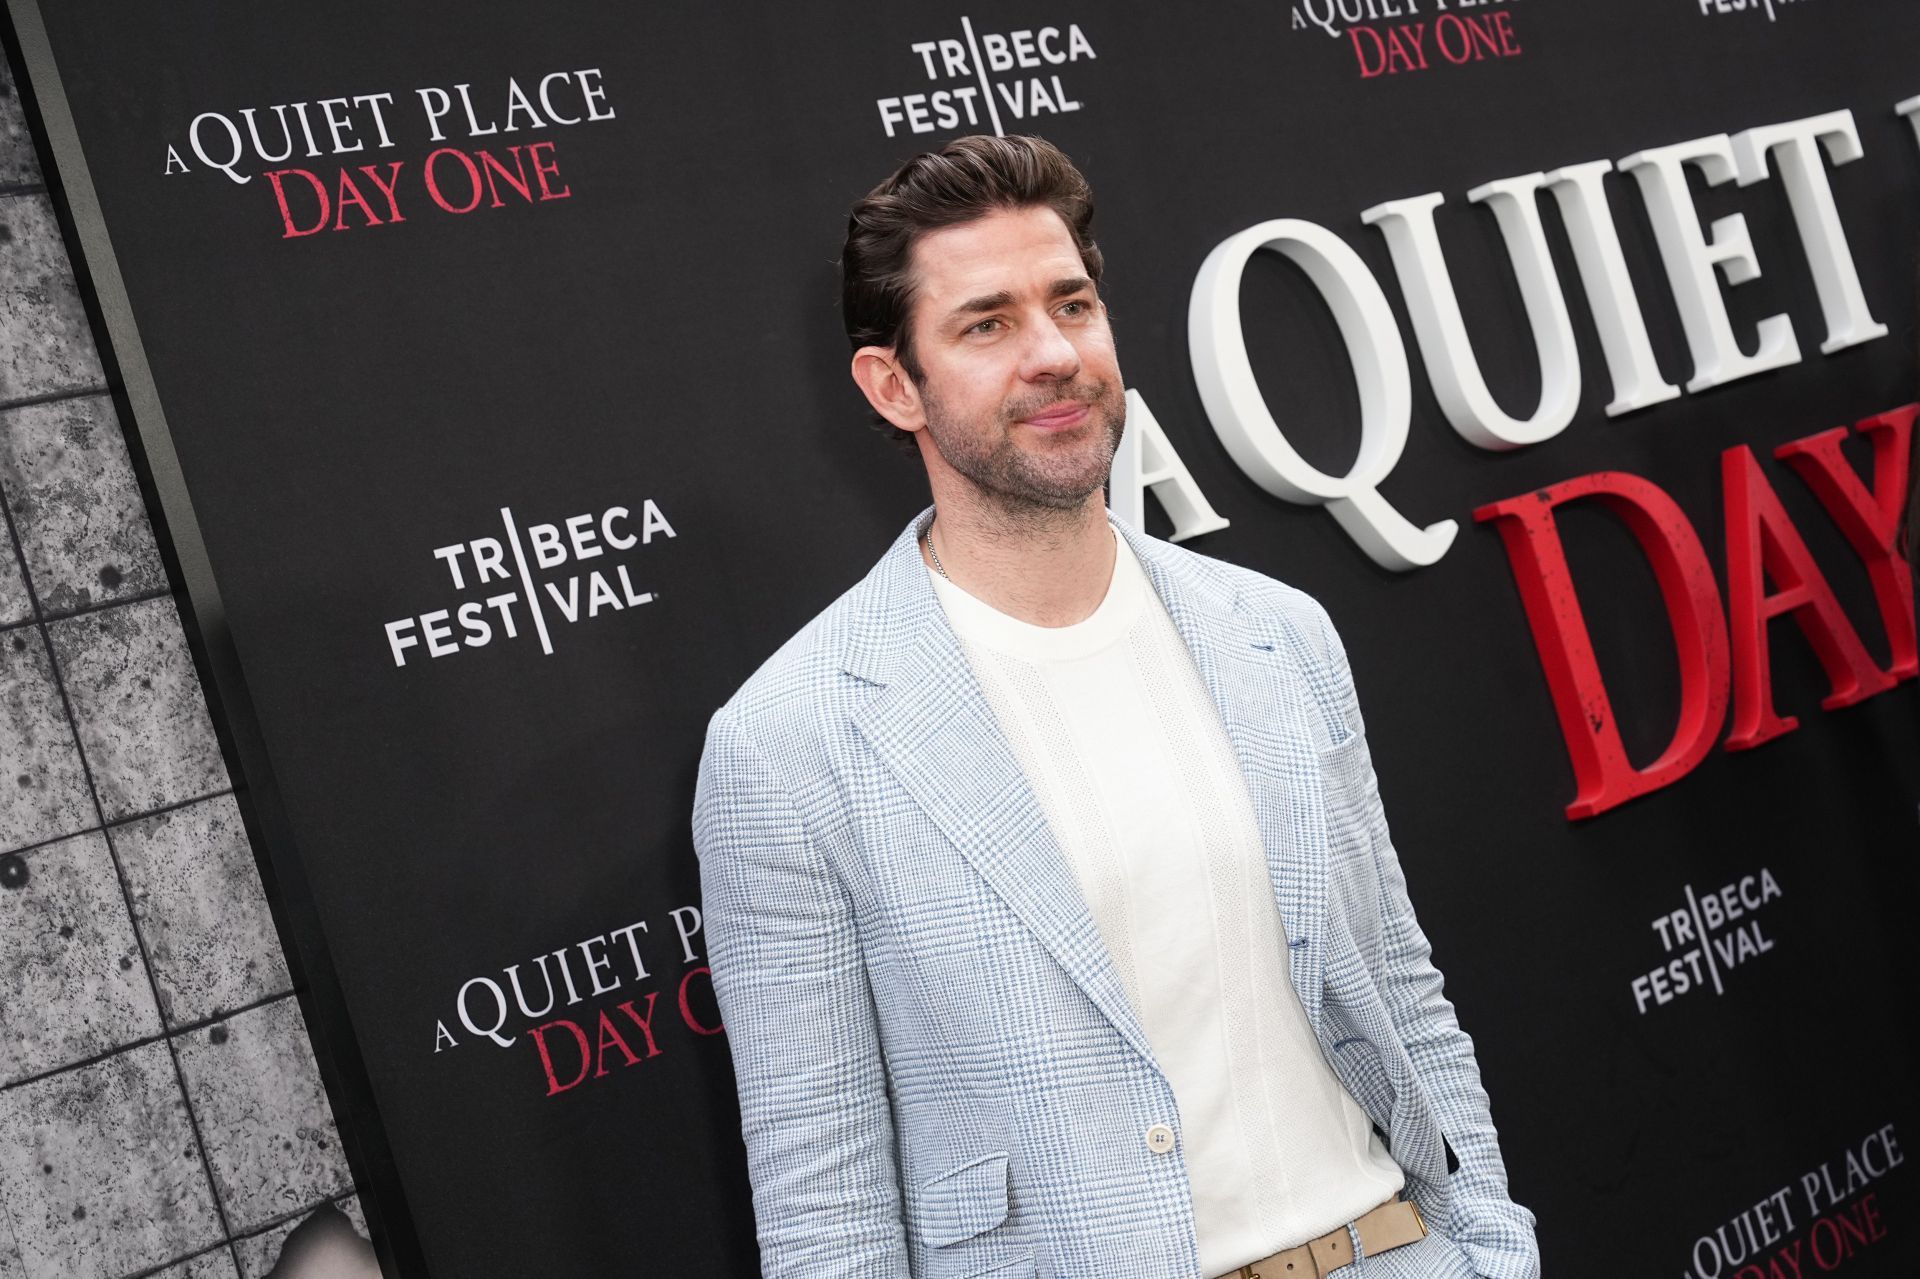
point(1046, 568)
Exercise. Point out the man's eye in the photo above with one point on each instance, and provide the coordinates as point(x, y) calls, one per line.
point(985, 326)
point(1075, 308)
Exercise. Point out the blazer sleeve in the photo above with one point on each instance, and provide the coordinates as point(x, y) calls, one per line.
point(800, 1020)
point(1497, 1233)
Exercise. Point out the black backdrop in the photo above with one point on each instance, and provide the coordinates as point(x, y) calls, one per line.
point(316, 414)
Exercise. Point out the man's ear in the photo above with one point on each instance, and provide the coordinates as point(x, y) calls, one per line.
point(888, 388)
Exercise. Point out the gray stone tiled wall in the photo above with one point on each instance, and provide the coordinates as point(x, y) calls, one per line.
point(160, 1111)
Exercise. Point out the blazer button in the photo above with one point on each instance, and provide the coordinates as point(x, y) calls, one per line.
point(1159, 1139)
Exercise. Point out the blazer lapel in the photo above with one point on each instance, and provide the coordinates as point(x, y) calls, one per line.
point(931, 726)
point(1267, 709)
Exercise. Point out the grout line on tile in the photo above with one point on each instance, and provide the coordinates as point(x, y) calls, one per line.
point(168, 808)
point(26, 578)
point(186, 1028)
point(12, 1235)
point(228, 1014)
point(325, 1201)
point(53, 397)
point(129, 819)
point(48, 842)
point(186, 1257)
point(274, 1223)
point(157, 593)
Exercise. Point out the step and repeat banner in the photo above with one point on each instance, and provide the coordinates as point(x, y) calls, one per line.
point(485, 362)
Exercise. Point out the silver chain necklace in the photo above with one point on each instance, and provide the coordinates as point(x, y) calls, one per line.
point(933, 554)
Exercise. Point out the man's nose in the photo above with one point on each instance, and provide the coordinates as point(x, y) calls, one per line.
point(1049, 354)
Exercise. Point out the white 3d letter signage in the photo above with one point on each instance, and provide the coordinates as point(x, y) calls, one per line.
point(1246, 426)
point(1698, 263)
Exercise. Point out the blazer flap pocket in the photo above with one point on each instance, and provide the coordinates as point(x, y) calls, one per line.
point(964, 1202)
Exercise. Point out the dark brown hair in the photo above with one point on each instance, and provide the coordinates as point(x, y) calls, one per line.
point(966, 179)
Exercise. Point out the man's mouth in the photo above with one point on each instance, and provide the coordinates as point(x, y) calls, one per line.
point(1058, 416)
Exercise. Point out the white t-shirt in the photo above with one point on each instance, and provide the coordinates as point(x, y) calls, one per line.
point(1129, 759)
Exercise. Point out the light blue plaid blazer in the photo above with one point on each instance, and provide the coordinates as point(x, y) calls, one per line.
point(939, 1073)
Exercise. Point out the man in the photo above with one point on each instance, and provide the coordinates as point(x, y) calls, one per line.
point(1051, 907)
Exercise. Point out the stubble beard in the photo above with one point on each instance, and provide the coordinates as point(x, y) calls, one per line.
point(1031, 486)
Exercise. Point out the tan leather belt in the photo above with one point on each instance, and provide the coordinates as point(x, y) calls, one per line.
point(1391, 1225)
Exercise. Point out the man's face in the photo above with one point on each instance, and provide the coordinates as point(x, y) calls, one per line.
point(1019, 383)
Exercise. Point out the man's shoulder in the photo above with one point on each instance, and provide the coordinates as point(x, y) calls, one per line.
point(1268, 601)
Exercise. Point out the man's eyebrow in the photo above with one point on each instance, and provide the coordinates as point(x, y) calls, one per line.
point(985, 302)
point(1066, 286)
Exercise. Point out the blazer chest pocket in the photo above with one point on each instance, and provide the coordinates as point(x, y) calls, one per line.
point(964, 1202)
point(1343, 783)
point(1353, 878)
point(1340, 763)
